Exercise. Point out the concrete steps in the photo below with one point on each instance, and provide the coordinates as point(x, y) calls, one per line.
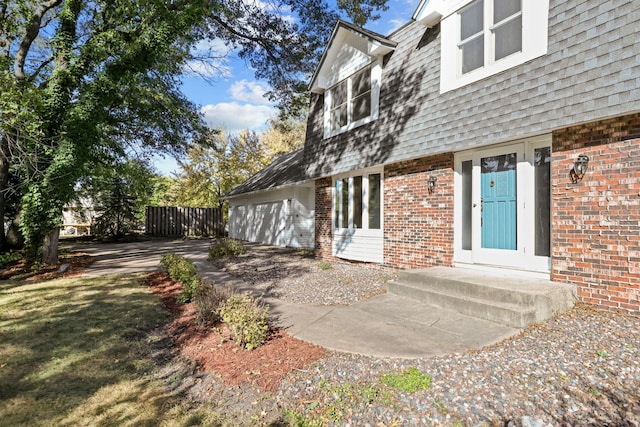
point(510, 300)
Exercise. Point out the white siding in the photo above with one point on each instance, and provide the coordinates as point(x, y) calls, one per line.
point(357, 247)
point(282, 217)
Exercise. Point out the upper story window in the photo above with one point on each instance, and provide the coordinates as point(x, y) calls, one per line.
point(484, 41)
point(484, 37)
point(351, 99)
point(352, 102)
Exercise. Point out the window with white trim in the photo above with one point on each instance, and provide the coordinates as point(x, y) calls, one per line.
point(482, 40)
point(353, 101)
point(357, 202)
point(485, 37)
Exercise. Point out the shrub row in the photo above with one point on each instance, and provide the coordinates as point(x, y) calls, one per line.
point(245, 316)
point(182, 270)
point(226, 247)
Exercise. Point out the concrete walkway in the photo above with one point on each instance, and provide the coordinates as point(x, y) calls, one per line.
point(383, 326)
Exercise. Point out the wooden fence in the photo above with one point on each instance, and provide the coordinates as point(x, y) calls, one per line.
point(169, 221)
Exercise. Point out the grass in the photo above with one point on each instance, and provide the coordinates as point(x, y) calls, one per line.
point(411, 380)
point(78, 352)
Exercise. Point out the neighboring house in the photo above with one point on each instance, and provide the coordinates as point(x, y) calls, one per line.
point(78, 217)
point(275, 206)
point(461, 140)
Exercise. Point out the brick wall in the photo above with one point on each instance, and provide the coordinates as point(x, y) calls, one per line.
point(418, 226)
point(323, 218)
point(596, 222)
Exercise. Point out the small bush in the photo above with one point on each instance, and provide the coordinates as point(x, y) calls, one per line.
point(247, 320)
point(9, 257)
point(184, 271)
point(209, 298)
point(226, 247)
point(411, 380)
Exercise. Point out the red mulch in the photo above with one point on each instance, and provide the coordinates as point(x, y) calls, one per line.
point(212, 349)
point(77, 261)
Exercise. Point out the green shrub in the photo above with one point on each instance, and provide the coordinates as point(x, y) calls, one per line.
point(209, 298)
point(411, 380)
point(324, 265)
point(226, 247)
point(9, 257)
point(184, 271)
point(247, 320)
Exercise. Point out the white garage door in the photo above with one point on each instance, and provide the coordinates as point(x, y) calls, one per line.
point(269, 223)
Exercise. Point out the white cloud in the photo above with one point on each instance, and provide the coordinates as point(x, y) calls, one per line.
point(394, 24)
point(249, 91)
point(235, 117)
point(211, 59)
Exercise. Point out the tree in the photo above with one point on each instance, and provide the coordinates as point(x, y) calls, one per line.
point(137, 177)
point(283, 136)
point(86, 82)
point(117, 210)
point(214, 167)
point(96, 78)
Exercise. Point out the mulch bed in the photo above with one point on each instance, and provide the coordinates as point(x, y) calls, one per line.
point(21, 270)
point(212, 349)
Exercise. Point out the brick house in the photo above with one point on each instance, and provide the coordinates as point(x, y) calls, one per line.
point(495, 135)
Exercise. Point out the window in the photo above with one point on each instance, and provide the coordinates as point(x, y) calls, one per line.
point(339, 105)
point(485, 37)
point(482, 44)
point(351, 99)
point(358, 202)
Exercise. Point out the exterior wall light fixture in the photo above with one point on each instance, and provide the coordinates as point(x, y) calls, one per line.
point(431, 184)
point(580, 167)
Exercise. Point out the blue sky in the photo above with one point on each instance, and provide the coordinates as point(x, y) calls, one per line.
point(231, 97)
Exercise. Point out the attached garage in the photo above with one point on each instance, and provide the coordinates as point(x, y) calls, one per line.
point(281, 215)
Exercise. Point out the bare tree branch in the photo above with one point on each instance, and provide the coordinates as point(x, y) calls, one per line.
point(32, 31)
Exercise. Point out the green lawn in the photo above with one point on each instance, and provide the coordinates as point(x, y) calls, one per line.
point(77, 352)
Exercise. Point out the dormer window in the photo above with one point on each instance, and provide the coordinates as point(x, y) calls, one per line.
point(349, 77)
point(351, 100)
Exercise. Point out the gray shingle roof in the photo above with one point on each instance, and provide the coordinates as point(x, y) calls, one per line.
point(285, 170)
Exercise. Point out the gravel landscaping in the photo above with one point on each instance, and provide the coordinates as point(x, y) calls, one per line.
point(296, 276)
point(580, 368)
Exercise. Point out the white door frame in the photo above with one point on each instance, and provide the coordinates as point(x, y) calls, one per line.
point(523, 257)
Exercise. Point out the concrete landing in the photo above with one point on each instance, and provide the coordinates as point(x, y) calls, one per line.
point(388, 326)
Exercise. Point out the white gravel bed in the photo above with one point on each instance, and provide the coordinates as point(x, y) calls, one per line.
point(296, 276)
point(579, 369)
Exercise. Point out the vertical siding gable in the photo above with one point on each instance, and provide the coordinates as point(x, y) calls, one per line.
point(348, 60)
point(591, 71)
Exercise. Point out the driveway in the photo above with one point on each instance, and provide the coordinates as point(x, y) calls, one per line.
point(137, 257)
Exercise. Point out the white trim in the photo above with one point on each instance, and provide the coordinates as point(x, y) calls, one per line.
point(535, 34)
point(523, 258)
point(376, 78)
point(359, 244)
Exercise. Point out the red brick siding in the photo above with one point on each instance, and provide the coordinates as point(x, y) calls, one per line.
point(323, 218)
point(418, 226)
point(596, 222)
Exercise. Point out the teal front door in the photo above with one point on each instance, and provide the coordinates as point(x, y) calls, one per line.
point(498, 201)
